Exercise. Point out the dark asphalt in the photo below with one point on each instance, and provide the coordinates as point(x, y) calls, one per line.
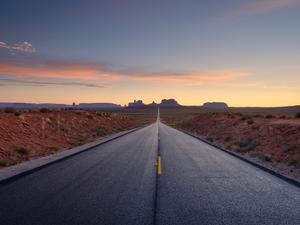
point(116, 183)
point(203, 185)
point(110, 184)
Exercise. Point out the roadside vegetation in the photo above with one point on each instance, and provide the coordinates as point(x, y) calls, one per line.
point(272, 138)
point(31, 133)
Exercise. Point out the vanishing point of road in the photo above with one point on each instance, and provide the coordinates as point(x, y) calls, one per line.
point(154, 176)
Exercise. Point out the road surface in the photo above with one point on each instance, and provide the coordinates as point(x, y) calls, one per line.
point(117, 183)
point(203, 185)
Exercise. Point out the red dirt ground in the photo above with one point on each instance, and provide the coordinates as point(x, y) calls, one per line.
point(34, 134)
point(272, 140)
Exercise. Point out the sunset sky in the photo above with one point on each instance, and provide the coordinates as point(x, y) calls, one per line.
point(243, 52)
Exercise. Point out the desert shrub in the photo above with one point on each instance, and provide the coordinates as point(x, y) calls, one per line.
point(117, 127)
point(62, 127)
point(257, 115)
point(269, 116)
point(7, 162)
point(239, 114)
point(77, 112)
point(282, 117)
point(243, 118)
point(99, 131)
point(255, 127)
point(114, 115)
point(291, 147)
point(22, 150)
point(233, 147)
point(245, 142)
point(107, 114)
point(33, 110)
point(17, 113)
point(9, 110)
point(295, 161)
point(250, 122)
point(81, 140)
point(44, 110)
point(90, 117)
point(268, 158)
point(53, 148)
point(246, 145)
point(71, 142)
point(230, 116)
point(297, 115)
point(3, 162)
point(262, 156)
point(228, 138)
point(210, 139)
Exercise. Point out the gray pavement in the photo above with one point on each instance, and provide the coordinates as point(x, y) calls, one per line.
point(117, 183)
point(113, 183)
point(203, 185)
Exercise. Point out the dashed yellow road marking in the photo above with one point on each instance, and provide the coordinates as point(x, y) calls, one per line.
point(159, 166)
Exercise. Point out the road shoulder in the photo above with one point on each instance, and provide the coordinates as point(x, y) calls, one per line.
point(10, 173)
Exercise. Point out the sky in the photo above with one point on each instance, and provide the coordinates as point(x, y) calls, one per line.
point(242, 52)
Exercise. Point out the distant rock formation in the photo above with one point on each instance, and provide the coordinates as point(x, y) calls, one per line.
point(153, 104)
point(215, 105)
point(169, 102)
point(164, 102)
point(136, 103)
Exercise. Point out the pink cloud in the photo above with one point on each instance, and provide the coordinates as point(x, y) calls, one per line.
point(96, 73)
point(194, 78)
point(20, 46)
point(261, 6)
point(57, 70)
point(23, 82)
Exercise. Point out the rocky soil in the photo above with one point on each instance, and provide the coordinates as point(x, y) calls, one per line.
point(269, 139)
point(30, 134)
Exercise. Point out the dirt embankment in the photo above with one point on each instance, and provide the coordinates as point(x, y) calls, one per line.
point(271, 140)
point(31, 134)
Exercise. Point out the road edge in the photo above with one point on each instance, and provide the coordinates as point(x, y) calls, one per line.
point(14, 172)
point(241, 157)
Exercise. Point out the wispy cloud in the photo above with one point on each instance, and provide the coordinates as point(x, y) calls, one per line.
point(106, 73)
point(20, 46)
point(18, 82)
point(57, 70)
point(261, 6)
point(192, 78)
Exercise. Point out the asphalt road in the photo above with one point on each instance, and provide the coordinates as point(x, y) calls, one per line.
point(110, 184)
point(203, 185)
point(117, 183)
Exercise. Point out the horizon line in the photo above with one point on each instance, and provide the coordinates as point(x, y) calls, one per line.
point(145, 104)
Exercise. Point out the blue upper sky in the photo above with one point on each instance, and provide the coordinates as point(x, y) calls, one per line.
point(256, 38)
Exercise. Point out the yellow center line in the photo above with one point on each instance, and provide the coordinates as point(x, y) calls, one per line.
point(158, 166)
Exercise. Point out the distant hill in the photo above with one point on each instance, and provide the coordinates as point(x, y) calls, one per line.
point(283, 109)
point(97, 105)
point(4, 105)
point(215, 105)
